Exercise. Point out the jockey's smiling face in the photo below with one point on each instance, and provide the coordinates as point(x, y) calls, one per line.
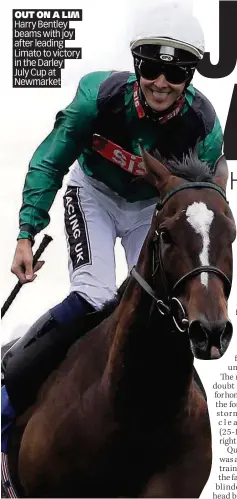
point(159, 93)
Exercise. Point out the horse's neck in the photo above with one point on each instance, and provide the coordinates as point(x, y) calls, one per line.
point(148, 359)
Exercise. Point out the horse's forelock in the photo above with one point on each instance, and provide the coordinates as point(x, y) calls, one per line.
point(190, 167)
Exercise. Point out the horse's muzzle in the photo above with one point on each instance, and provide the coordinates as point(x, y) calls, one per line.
point(210, 340)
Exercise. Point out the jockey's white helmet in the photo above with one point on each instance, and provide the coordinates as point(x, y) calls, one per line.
point(169, 25)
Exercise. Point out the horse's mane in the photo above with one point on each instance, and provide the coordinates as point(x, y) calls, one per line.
point(190, 167)
point(110, 305)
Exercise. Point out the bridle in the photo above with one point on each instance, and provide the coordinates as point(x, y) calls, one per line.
point(166, 306)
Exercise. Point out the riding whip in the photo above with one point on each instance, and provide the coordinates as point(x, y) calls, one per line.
point(44, 243)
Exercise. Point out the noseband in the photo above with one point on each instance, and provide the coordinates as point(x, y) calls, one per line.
point(171, 300)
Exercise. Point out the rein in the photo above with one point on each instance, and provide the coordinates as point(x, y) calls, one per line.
point(171, 300)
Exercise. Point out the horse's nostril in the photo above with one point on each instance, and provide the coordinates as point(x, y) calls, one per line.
point(208, 339)
point(198, 335)
point(226, 336)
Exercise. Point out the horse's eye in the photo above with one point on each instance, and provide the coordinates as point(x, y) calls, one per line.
point(166, 238)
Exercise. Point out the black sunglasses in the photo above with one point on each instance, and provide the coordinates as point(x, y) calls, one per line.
point(150, 70)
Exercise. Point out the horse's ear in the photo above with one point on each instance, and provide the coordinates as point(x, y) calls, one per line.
point(157, 173)
point(221, 172)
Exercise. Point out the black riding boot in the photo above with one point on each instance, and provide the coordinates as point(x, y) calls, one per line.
point(39, 328)
point(32, 358)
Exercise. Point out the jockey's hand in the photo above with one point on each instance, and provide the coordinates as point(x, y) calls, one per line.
point(23, 261)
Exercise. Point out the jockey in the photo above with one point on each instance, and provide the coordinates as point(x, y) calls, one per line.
point(100, 132)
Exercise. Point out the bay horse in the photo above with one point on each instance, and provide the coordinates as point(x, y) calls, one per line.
point(122, 415)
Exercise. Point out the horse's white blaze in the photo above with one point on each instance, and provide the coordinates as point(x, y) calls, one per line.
point(200, 218)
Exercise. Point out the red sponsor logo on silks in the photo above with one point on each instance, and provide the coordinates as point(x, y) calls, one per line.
point(162, 119)
point(179, 105)
point(111, 151)
point(137, 102)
